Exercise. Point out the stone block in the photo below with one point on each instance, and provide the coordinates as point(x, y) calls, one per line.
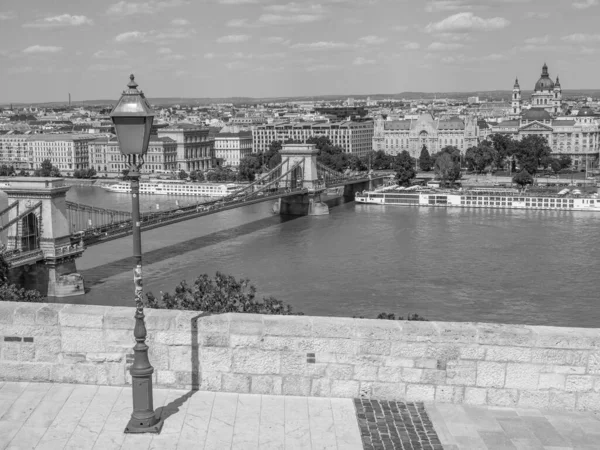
point(462, 373)
point(180, 358)
point(25, 371)
point(160, 319)
point(11, 351)
point(166, 378)
point(573, 338)
point(475, 396)
point(534, 399)
point(339, 371)
point(246, 324)
point(266, 384)
point(246, 341)
point(386, 330)
point(408, 350)
point(588, 401)
point(294, 385)
point(374, 347)
point(256, 362)
point(562, 400)
point(121, 318)
point(449, 394)
point(293, 363)
point(594, 363)
point(7, 312)
point(366, 372)
point(82, 316)
point(411, 375)
point(426, 363)
point(559, 356)
point(579, 383)
point(388, 391)
point(420, 393)
point(552, 381)
point(400, 362)
point(443, 352)
point(344, 388)
point(215, 359)
point(522, 376)
point(104, 357)
point(328, 345)
point(510, 354)
point(47, 315)
point(597, 384)
point(416, 331)
point(32, 330)
point(506, 335)
point(490, 374)
point(320, 387)
point(285, 343)
point(502, 397)
point(210, 381)
point(114, 373)
point(118, 339)
point(567, 370)
point(188, 321)
point(47, 349)
point(287, 325)
point(475, 352)
point(25, 313)
point(81, 340)
point(213, 339)
point(433, 376)
point(159, 356)
point(231, 382)
point(455, 332)
point(333, 327)
point(173, 338)
point(391, 374)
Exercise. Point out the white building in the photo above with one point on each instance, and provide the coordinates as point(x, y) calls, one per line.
point(231, 148)
point(68, 152)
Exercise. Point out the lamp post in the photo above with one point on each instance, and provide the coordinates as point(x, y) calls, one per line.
point(132, 118)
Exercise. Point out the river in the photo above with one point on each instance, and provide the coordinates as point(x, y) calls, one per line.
point(510, 266)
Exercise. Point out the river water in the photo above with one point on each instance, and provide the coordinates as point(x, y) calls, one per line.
point(510, 266)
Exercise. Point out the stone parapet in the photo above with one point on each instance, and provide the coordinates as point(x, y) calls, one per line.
point(470, 363)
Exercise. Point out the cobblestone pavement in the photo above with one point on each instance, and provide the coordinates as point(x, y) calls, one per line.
point(70, 416)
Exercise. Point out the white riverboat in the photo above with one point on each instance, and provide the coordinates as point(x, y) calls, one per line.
point(177, 187)
point(565, 200)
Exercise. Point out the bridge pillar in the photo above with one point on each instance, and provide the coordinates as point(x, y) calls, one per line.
point(45, 230)
point(306, 154)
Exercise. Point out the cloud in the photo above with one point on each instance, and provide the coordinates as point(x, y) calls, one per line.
point(180, 22)
point(400, 28)
point(296, 8)
point(164, 51)
point(411, 46)
point(108, 67)
point(580, 38)
point(7, 15)
point(372, 40)
point(239, 23)
point(321, 67)
point(321, 45)
point(276, 40)
point(464, 59)
point(64, 20)
point(233, 39)
point(444, 46)
point(352, 21)
point(209, 56)
point(239, 2)
point(538, 40)
point(109, 54)
point(461, 5)
point(537, 15)
point(360, 61)
point(154, 36)
point(21, 69)
point(466, 22)
point(124, 8)
point(42, 49)
point(585, 4)
point(235, 65)
point(281, 19)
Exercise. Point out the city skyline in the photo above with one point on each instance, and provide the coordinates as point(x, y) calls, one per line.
point(259, 48)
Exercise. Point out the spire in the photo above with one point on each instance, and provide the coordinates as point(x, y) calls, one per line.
point(557, 84)
point(516, 86)
point(545, 70)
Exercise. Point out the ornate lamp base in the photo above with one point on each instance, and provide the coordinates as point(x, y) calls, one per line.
point(152, 425)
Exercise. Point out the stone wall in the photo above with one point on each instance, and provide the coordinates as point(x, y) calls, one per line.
point(473, 363)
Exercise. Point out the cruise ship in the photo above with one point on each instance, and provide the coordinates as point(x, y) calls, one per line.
point(177, 187)
point(505, 198)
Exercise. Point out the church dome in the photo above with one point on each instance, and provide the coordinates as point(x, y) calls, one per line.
point(539, 114)
point(586, 111)
point(544, 83)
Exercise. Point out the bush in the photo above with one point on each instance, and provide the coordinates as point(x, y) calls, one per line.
point(222, 294)
point(392, 316)
point(12, 293)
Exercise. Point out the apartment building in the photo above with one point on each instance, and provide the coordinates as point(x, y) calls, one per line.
point(195, 146)
point(14, 150)
point(231, 148)
point(68, 152)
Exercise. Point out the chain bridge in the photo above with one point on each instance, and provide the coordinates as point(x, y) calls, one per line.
point(46, 233)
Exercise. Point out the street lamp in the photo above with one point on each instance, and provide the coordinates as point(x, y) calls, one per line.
point(133, 119)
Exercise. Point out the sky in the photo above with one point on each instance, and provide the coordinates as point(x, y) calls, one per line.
point(269, 48)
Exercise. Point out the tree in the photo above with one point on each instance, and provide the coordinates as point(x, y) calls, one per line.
point(271, 158)
point(480, 157)
point(404, 165)
point(523, 178)
point(533, 152)
point(425, 160)
point(47, 170)
point(182, 175)
point(555, 165)
point(504, 146)
point(447, 165)
point(248, 168)
point(219, 295)
point(125, 174)
point(7, 171)
point(565, 161)
point(12, 293)
point(23, 173)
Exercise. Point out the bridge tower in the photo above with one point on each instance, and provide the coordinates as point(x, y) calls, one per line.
point(39, 248)
point(305, 175)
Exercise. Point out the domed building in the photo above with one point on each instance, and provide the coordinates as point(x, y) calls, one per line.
point(547, 94)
